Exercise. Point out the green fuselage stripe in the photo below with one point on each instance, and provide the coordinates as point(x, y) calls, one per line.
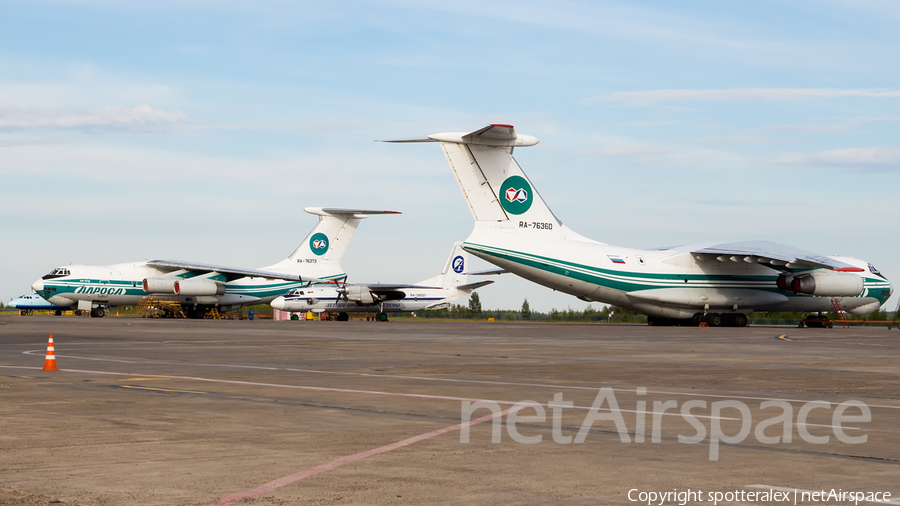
point(629, 281)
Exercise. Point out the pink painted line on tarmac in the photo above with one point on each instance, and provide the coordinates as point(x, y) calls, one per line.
point(312, 471)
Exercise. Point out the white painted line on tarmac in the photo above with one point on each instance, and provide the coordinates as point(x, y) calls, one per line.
point(447, 380)
point(372, 392)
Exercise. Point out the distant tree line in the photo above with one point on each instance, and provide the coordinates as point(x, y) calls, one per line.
point(609, 314)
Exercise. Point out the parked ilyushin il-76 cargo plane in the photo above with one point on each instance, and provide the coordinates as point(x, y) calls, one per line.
point(714, 283)
point(200, 287)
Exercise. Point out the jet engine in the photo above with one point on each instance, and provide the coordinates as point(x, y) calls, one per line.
point(823, 283)
point(784, 282)
point(159, 285)
point(199, 287)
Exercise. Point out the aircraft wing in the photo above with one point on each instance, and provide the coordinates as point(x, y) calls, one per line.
point(777, 255)
point(229, 272)
point(387, 288)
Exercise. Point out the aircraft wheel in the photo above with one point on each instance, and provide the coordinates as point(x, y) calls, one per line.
point(382, 317)
point(740, 320)
point(58, 313)
point(696, 319)
point(343, 317)
point(714, 319)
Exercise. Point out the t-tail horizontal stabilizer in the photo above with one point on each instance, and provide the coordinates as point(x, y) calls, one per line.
point(321, 251)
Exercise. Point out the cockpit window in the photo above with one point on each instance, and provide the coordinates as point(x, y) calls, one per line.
point(58, 272)
point(874, 271)
point(294, 292)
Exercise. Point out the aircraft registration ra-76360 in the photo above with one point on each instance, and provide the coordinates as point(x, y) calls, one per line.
point(199, 287)
point(433, 293)
point(719, 284)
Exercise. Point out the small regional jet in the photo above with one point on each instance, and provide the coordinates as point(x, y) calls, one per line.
point(719, 284)
point(433, 293)
point(27, 304)
point(200, 287)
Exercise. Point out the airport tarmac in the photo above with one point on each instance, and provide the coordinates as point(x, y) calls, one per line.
point(197, 412)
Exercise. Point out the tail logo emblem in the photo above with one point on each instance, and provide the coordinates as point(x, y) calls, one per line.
point(515, 197)
point(318, 243)
point(458, 264)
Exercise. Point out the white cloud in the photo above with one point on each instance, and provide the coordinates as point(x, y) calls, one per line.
point(869, 159)
point(139, 117)
point(735, 139)
point(653, 97)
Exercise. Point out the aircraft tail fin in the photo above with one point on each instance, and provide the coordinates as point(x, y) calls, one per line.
point(326, 244)
point(494, 186)
point(455, 272)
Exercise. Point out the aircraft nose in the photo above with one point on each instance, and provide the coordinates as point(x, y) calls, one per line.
point(38, 285)
point(278, 303)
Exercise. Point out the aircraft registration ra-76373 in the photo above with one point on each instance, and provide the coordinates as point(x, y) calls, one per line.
point(199, 287)
point(719, 284)
point(433, 293)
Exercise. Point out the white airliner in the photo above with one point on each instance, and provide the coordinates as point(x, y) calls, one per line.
point(200, 287)
point(433, 293)
point(714, 283)
point(27, 304)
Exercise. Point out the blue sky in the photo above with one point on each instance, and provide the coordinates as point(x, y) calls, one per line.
point(199, 130)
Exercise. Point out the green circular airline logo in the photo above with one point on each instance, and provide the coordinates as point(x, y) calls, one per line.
point(318, 243)
point(515, 195)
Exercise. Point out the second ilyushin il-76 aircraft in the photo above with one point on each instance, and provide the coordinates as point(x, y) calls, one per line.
point(719, 284)
point(200, 287)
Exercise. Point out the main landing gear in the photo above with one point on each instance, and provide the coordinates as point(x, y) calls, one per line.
point(710, 319)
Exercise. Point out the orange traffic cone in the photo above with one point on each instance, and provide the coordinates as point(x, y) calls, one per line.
point(50, 361)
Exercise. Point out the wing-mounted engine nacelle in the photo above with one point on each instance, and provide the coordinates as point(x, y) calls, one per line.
point(784, 282)
point(199, 287)
point(822, 283)
point(159, 284)
point(358, 294)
